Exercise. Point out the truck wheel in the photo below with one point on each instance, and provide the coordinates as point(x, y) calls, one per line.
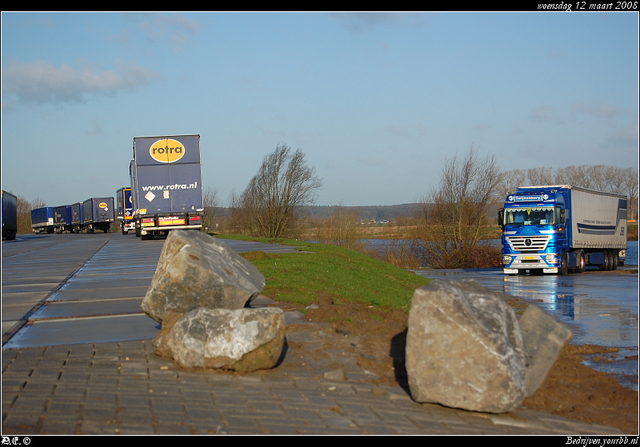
point(614, 259)
point(580, 262)
point(563, 270)
point(606, 264)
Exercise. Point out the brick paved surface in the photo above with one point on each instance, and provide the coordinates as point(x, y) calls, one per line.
point(124, 388)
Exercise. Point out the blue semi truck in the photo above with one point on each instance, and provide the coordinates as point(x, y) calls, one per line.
point(563, 228)
point(166, 184)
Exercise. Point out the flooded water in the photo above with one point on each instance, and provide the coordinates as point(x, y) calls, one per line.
point(632, 253)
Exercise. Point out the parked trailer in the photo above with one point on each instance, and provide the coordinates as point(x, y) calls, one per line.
point(77, 217)
point(125, 210)
point(9, 215)
point(166, 184)
point(63, 219)
point(556, 229)
point(42, 220)
point(99, 214)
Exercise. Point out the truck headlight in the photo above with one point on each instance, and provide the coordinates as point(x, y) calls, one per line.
point(550, 258)
point(506, 259)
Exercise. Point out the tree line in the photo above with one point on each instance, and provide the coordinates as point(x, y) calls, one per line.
point(452, 218)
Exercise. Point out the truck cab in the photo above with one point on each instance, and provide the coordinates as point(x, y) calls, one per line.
point(534, 232)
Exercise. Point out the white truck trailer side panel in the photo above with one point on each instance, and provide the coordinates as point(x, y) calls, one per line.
point(599, 220)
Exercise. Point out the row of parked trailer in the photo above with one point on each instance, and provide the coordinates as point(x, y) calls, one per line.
point(165, 194)
point(94, 214)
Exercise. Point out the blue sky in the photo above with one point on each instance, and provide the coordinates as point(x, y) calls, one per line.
point(376, 101)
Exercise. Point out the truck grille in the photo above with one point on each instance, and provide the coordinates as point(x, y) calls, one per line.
point(528, 244)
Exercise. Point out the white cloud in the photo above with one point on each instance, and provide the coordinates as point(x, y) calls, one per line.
point(363, 21)
point(40, 82)
point(622, 139)
point(541, 113)
point(176, 29)
point(600, 110)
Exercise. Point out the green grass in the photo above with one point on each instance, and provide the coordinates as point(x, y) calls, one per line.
point(328, 270)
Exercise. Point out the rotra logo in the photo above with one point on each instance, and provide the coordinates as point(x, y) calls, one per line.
point(166, 150)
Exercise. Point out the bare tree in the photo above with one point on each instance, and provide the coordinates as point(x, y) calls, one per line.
point(273, 200)
point(342, 228)
point(540, 176)
point(454, 214)
point(23, 210)
point(511, 180)
point(211, 203)
point(630, 188)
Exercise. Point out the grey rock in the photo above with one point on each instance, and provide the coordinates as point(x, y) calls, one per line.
point(242, 340)
point(464, 348)
point(543, 338)
point(197, 270)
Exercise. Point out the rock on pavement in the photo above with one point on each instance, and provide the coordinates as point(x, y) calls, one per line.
point(197, 270)
point(241, 340)
point(464, 348)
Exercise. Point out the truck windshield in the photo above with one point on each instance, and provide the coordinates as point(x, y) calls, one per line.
point(529, 216)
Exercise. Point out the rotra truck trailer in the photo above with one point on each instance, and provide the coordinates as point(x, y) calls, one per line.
point(125, 209)
point(9, 215)
point(42, 220)
point(557, 229)
point(99, 214)
point(77, 216)
point(166, 184)
point(62, 218)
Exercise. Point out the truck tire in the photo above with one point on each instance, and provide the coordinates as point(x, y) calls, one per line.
point(563, 270)
point(580, 262)
point(614, 259)
point(606, 264)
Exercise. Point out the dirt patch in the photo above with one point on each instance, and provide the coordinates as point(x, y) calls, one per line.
point(572, 390)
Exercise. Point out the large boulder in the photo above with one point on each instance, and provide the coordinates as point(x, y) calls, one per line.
point(197, 270)
point(241, 340)
point(543, 337)
point(464, 348)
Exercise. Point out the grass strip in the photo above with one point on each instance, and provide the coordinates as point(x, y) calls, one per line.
point(319, 270)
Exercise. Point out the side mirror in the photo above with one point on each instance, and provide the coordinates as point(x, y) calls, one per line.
point(501, 218)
